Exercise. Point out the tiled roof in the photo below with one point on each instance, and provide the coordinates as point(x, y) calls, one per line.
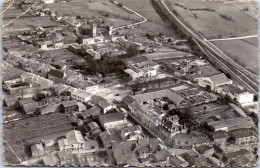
point(219, 79)
point(56, 73)
point(75, 137)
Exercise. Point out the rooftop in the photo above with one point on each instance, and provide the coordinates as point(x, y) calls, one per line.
point(75, 137)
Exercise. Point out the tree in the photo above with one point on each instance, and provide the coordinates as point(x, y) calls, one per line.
point(132, 49)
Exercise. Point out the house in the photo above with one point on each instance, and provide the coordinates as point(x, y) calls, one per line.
point(37, 150)
point(135, 60)
point(74, 141)
point(101, 102)
point(93, 112)
point(70, 106)
point(169, 127)
point(219, 138)
point(244, 136)
point(10, 100)
point(51, 108)
point(123, 151)
point(51, 160)
point(58, 45)
point(86, 40)
point(35, 80)
point(66, 158)
point(84, 49)
point(162, 156)
point(91, 145)
point(231, 124)
point(190, 156)
point(244, 98)
point(93, 126)
point(105, 139)
point(134, 72)
point(112, 120)
point(178, 161)
point(94, 54)
point(130, 133)
point(188, 141)
point(28, 105)
point(212, 82)
point(44, 69)
point(80, 95)
point(56, 75)
point(205, 150)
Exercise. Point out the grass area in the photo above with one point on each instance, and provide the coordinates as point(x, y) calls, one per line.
point(23, 133)
point(61, 54)
point(103, 9)
point(11, 73)
point(242, 52)
point(29, 22)
point(155, 24)
point(215, 19)
point(9, 157)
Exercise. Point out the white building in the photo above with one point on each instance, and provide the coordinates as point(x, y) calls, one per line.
point(212, 82)
point(80, 95)
point(74, 141)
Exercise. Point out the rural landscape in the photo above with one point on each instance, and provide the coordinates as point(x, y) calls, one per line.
point(123, 83)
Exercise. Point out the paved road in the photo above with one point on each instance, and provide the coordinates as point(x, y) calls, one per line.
point(133, 24)
point(246, 78)
point(234, 38)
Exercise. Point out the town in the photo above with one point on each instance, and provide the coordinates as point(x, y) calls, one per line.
point(98, 88)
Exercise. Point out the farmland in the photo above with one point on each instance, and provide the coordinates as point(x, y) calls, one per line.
point(242, 52)
point(218, 20)
point(209, 19)
point(155, 24)
point(103, 10)
point(23, 133)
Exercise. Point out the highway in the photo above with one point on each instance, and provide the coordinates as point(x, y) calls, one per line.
point(246, 78)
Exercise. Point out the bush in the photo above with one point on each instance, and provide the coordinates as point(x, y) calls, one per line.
point(229, 18)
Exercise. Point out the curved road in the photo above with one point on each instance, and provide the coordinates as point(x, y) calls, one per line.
point(133, 24)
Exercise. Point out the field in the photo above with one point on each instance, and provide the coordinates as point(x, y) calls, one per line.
point(154, 24)
point(242, 52)
point(23, 133)
point(218, 20)
point(61, 54)
point(103, 9)
point(205, 17)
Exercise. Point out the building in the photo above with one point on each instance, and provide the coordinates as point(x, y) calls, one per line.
point(188, 141)
point(105, 139)
point(37, 150)
point(92, 112)
point(28, 105)
point(244, 98)
point(80, 95)
point(219, 138)
point(93, 54)
point(244, 136)
point(130, 133)
point(66, 158)
point(134, 73)
point(231, 124)
point(51, 160)
point(178, 161)
point(111, 120)
point(35, 80)
point(212, 82)
point(101, 103)
point(70, 106)
point(56, 75)
point(74, 141)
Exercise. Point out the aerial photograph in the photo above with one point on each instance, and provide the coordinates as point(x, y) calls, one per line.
point(120, 83)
